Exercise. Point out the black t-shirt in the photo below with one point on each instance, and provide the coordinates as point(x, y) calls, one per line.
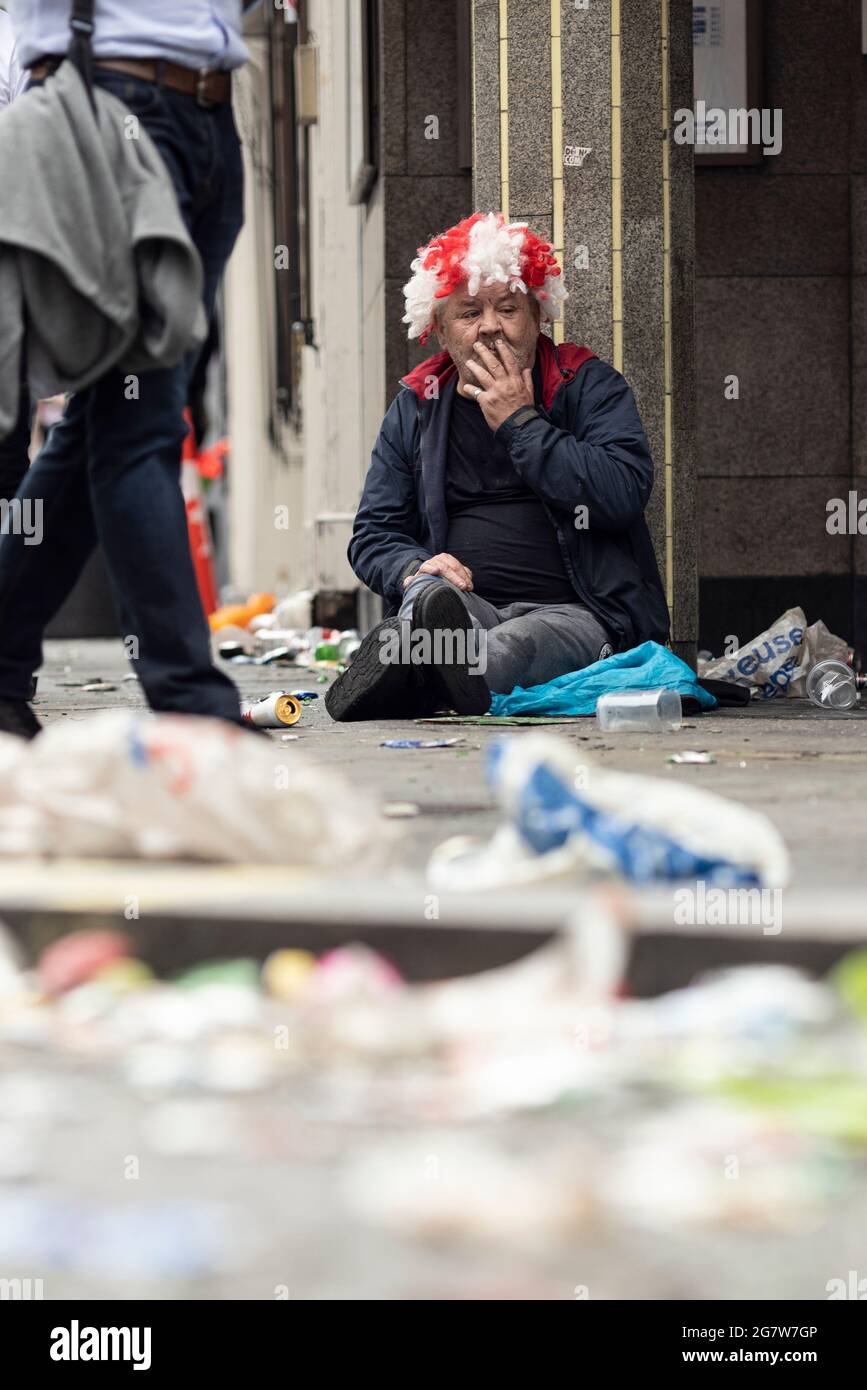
point(498, 526)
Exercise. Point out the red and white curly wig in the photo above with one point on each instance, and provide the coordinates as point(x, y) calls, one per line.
point(482, 250)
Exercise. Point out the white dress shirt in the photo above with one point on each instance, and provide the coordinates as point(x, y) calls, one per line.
point(194, 33)
point(12, 78)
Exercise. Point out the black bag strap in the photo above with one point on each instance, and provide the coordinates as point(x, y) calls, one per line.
point(80, 50)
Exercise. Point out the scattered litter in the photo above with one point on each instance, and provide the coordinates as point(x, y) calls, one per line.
point(124, 973)
point(130, 677)
point(647, 1106)
point(98, 687)
point(643, 828)
point(289, 738)
point(240, 614)
point(327, 651)
point(262, 621)
point(322, 680)
point(78, 957)
point(129, 783)
point(285, 972)
point(244, 971)
point(691, 756)
point(777, 662)
point(831, 685)
point(649, 666)
point(233, 651)
point(420, 742)
point(276, 711)
point(399, 810)
point(168, 1240)
point(304, 695)
point(639, 711)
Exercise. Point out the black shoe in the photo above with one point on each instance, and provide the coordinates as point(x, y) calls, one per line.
point(16, 717)
point(373, 687)
point(438, 610)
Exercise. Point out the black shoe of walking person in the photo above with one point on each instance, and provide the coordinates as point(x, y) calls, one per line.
point(449, 677)
point(17, 718)
point(379, 683)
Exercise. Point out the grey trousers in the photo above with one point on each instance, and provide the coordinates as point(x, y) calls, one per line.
point(525, 643)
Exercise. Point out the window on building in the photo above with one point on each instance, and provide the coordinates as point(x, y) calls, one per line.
point(362, 76)
point(465, 83)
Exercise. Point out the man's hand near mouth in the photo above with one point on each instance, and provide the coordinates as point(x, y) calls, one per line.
point(502, 388)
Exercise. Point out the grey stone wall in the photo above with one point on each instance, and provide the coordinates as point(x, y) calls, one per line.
point(424, 190)
point(781, 302)
point(590, 111)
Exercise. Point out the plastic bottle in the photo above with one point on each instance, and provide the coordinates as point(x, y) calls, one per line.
point(349, 643)
point(639, 711)
point(831, 685)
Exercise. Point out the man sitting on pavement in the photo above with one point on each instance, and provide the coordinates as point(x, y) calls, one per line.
point(504, 503)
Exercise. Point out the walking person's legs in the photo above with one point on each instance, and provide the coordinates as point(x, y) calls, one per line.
point(36, 578)
point(14, 450)
point(135, 445)
point(110, 470)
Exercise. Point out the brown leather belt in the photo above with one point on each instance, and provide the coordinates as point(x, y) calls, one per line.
point(209, 87)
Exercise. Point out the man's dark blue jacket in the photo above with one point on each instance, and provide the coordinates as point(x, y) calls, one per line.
point(582, 445)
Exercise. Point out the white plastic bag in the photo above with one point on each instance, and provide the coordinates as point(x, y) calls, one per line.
point(778, 661)
point(134, 784)
point(644, 828)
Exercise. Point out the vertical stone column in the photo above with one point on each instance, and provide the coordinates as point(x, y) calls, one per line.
point(572, 111)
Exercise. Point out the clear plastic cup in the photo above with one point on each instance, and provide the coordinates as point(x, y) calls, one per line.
point(831, 685)
point(639, 711)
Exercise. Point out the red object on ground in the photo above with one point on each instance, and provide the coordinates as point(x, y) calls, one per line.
point(77, 957)
point(197, 521)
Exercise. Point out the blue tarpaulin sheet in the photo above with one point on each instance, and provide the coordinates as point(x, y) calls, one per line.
point(648, 667)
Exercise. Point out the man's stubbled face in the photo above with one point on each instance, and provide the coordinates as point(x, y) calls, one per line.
point(495, 312)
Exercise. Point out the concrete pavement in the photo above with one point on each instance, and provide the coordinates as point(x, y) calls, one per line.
point(806, 770)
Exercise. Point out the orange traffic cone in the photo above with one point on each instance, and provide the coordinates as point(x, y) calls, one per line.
point(197, 521)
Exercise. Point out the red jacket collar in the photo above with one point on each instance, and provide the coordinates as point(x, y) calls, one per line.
point(556, 364)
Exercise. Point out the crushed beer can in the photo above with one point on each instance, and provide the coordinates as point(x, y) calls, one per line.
point(278, 710)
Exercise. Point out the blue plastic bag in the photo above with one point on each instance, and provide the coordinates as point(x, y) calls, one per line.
point(648, 667)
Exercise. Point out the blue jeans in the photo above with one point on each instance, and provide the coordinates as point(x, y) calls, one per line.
point(109, 472)
point(14, 449)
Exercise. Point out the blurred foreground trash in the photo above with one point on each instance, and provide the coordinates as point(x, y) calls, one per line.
point(566, 816)
point(518, 1107)
point(778, 661)
point(134, 784)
